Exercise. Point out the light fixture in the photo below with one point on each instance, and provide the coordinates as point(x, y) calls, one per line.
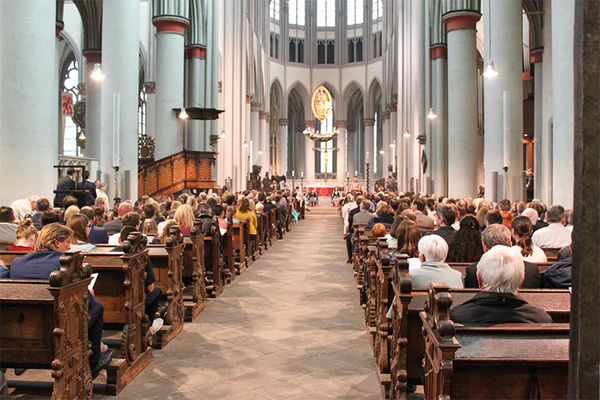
point(260, 152)
point(97, 73)
point(245, 143)
point(223, 135)
point(81, 136)
point(382, 152)
point(183, 114)
point(393, 144)
point(431, 114)
point(406, 133)
point(490, 70)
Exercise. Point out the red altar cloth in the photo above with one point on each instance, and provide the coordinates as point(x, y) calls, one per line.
point(321, 190)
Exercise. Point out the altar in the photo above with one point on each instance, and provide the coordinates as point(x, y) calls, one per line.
point(323, 189)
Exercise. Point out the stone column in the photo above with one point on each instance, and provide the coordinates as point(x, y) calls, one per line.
point(369, 124)
point(385, 145)
point(538, 120)
point(439, 146)
point(309, 174)
point(505, 90)
point(255, 135)
point(120, 61)
point(394, 136)
point(352, 142)
point(563, 76)
point(196, 56)
point(265, 142)
point(169, 82)
point(462, 103)
point(29, 102)
point(93, 107)
point(282, 151)
point(341, 152)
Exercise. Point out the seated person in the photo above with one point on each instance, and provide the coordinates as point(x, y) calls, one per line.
point(53, 241)
point(50, 217)
point(97, 233)
point(26, 237)
point(495, 235)
point(79, 224)
point(433, 250)
point(559, 274)
point(500, 273)
point(378, 230)
point(153, 292)
point(384, 215)
point(130, 219)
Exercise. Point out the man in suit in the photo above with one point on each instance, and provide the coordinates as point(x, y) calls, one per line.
point(64, 187)
point(423, 221)
point(97, 234)
point(114, 226)
point(88, 197)
point(445, 220)
point(497, 234)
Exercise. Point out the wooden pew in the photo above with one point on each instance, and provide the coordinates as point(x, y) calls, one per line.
point(239, 245)
point(194, 291)
point(120, 288)
point(551, 254)
point(499, 362)
point(384, 297)
point(407, 347)
point(213, 262)
point(45, 326)
point(272, 228)
point(229, 272)
point(167, 265)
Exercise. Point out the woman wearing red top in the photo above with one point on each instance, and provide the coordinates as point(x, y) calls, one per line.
point(26, 237)
point(184, 215)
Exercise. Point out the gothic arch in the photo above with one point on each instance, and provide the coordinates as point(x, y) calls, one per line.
point(373, 98)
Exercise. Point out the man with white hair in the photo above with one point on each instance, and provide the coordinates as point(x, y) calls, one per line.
point(500, 273)
point(492, 236)
point(531, 214)
point(433, 250)
point(24, 208)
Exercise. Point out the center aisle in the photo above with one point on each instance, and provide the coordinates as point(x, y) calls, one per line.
point(290, 327)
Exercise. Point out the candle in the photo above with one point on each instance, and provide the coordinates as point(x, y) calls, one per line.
point(506, 129)
point(347, 174)
point(301, 174)
point(293, 173)
point(355, 173)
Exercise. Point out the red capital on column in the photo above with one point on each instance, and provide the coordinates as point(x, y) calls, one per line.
point(461, 20)
point(196, 52)
point(59, 27)
point(93, 56)
point(438, 51)
point(170, 24)
point(536, 55)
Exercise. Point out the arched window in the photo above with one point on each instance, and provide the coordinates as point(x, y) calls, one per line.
point(297, 12)
point(70, 87)
point(355, 15)
point(274, 8)
point(326, 13)
point(377, 11)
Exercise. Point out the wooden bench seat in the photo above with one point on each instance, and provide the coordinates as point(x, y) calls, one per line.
point(44, 325)
point(194, 274)
point(498, 362)
point(213, 262)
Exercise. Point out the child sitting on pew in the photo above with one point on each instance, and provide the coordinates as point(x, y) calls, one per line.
point(153, 292)
point(54, 240)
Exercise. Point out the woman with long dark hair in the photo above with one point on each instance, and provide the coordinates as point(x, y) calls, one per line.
point(467, 245)
point(522, 229)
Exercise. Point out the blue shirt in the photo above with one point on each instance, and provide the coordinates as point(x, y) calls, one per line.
point(36, 265)
point(98, 235)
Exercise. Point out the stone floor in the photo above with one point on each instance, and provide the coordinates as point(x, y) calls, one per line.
point(290, 327)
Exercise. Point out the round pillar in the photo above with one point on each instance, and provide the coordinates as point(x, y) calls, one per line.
point(309, 175)
point(341, 153)
point(282, 151)
point(463, 139)
point(169, 83)
point(196, 58)
point(538, 170)
point(504, 94)
point(369, 124)
point(439, 146)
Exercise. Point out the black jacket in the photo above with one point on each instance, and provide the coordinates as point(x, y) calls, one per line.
point(558, 275)
point(448, 233)
point(532, 276)
point(64, 187)
point(351, 215)
point(89, 198)
point(489, 308)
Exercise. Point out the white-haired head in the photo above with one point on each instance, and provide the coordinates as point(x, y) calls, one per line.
point(433, 248)
point(501, 270)
point(532, 214)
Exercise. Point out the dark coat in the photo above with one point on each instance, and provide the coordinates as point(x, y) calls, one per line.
point(539, 225)
point(88, 198)
point(35, 265)
point(64, 187)
point(448, 233)
point(386, 219)
point(98, 235)
point(351, 215)
point(113, 226)
point(490, 308)
point(532, 276)
point(558, 275)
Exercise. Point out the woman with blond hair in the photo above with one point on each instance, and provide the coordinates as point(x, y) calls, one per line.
point(244, 213)
point(184, 216)
point(26, 237)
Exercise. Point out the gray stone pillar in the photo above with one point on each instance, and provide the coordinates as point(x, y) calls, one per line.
point(369, 124)
point(463, 140)
point(265, 142)
point(538, 171)
point(282, 151)
point(120, 61)
point(309, 175)
point(29, 102)
point(196, 56)
point(504, 91)
point(169, 81)
point(341, 152)
point(439, 145)
point(93, 107)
